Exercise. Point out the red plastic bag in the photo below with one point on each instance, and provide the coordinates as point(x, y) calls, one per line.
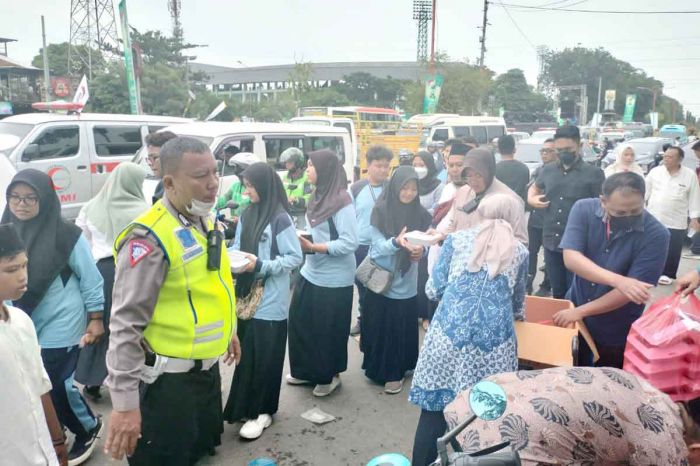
point(663, 346)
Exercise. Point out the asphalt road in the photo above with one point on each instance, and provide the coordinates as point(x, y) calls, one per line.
point(368, 422)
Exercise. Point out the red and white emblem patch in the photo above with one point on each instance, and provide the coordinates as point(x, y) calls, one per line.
point(138, 249)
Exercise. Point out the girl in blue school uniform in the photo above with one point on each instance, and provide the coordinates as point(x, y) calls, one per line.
point(389, 331)
point(267, 234)
point(321, 307)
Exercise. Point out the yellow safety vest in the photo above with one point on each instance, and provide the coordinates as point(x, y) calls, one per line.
point(194, 316)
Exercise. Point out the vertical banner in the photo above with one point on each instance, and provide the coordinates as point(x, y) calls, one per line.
point(654, 119)
point(630, 103)
point(128, 59)
point(433, 86)
point(610, 95)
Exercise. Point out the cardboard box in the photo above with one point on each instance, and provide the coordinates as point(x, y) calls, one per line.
point(543, 344)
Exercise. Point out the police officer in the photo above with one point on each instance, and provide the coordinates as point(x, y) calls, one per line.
point(172, 318)
point(296, 184)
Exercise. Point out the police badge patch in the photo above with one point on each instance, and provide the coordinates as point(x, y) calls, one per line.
point(138, 249)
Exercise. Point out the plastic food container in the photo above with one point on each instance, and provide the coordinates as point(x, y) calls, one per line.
point(420, 238)
point(238, 260)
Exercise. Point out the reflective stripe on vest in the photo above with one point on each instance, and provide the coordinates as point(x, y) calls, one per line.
point(194, 316)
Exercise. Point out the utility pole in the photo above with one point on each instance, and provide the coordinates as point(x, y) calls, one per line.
point(47, 78)
point(600, 86)
point(483, 34)
point(432, 38)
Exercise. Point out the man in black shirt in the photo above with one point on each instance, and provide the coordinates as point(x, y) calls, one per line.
point(535, 224)
point(511, 172)
point(558, 186)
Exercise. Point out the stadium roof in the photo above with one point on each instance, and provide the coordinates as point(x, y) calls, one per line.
point(319, 72)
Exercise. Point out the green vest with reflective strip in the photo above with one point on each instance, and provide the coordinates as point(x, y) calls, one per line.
point(195, 314)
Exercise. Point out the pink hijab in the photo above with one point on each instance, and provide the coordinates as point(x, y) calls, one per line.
point(495, 243)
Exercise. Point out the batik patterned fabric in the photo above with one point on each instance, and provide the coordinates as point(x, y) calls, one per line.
point(471, 335)
point(582, 416)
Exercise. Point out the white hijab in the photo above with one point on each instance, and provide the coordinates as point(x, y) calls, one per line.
point(618, 167)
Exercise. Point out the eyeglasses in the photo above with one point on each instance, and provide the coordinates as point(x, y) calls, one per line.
point(29, 201)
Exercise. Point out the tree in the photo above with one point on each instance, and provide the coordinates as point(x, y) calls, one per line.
point(464, 89)
point(512, 93)
point(579, 65)
point(58, 60)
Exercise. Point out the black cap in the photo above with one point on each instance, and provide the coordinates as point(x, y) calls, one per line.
point(459, 149)
point(10, 243)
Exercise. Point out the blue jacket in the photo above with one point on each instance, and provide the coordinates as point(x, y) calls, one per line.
point(384, 253)
point(337, 268)
point(275, 301)
point(61, 316)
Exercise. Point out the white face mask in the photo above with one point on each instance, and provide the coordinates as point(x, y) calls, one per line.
point(199, 208)
point(421, 171)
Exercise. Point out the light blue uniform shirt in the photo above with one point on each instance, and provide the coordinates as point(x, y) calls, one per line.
point(337, 268)
point(275, 300)
point(384, 253)
point(364, 203)
point(61, 316)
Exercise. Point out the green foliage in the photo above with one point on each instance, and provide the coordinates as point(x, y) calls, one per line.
point(579, 65)
point(464, 89)
point(58, 60)
point(512, 92)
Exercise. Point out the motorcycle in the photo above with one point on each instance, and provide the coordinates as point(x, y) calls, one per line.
point(487, 401)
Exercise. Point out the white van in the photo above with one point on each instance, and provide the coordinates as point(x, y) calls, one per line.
point(266, 140)
point(77, 151)
point(346, 123)
point(483, 128)
point(7, 172)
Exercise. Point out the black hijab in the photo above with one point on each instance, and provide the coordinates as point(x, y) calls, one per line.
point(331, 193)
point(390, 215)
point(258, 215)
point(428, 184)
point(49, 239)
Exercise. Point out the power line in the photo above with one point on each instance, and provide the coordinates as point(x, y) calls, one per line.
point(517, 27)
point(617, 12)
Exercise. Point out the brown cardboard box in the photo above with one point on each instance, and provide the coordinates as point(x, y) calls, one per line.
point(542, 343)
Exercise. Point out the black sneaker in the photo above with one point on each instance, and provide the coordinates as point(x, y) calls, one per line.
point(82, 448)
point(92, 392)
point(544, 293)
point(355, 329)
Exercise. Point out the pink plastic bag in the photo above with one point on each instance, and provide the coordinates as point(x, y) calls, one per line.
point(663, 347)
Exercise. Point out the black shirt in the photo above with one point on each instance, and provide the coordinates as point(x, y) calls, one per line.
point(536, 219)
point(158, 194)
point(563, 188)
point(515, 175)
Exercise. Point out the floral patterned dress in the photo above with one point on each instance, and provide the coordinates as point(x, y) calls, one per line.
point(472, 334)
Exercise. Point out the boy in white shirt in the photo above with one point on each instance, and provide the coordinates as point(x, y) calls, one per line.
point(30, 433)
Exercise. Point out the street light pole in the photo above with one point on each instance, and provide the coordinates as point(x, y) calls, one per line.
point(432, 38)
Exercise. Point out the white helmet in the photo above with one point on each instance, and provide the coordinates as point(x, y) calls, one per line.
point(243, 159)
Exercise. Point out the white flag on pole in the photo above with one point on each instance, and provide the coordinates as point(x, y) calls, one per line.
point(82, 94)
point(219, 108)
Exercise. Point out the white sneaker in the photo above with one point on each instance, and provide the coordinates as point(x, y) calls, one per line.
point(325, 390)
point(254, 429)
point(294, 381)
point(665, 280)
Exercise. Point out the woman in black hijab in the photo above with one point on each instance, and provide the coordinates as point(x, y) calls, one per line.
point(389, 332)
point(267, 235)
point(321, 307)
point(65, 297)
point(429, 186)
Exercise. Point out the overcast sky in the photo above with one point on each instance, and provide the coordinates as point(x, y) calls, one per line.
point(262, 32)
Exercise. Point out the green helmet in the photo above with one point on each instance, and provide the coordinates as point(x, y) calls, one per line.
point(294, 155)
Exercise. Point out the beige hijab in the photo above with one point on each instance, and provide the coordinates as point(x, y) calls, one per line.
point(495, 243)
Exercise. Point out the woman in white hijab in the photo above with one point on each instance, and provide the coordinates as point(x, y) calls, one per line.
point(624, 161)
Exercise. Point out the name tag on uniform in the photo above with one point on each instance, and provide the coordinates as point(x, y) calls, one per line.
point(188, 242)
